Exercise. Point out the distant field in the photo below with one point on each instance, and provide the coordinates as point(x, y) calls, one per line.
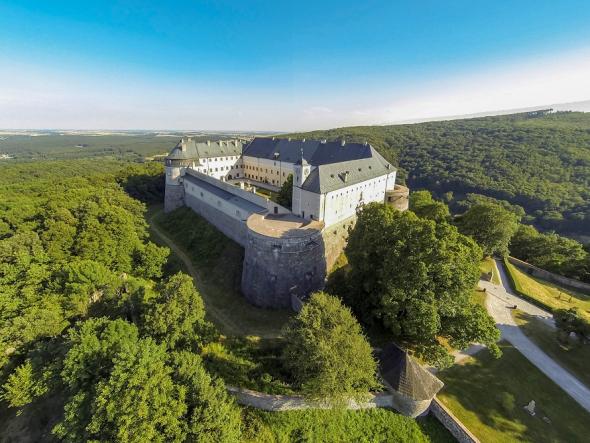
point(549, 294)
point(473, 392)
point(53, 145)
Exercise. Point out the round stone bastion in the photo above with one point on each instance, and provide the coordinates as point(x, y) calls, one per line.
point(283, 258)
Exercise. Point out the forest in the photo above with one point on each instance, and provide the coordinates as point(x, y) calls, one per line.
point(538, 161)
point(102, 339)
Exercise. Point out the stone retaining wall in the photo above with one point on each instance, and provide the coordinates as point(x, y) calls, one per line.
point(550, 276)
point(274, 403)
point(276, 269)
point(452, 423)
point(231, 227)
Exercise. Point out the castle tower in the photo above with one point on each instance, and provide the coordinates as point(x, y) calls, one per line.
point(302, 170)
point(182, 156)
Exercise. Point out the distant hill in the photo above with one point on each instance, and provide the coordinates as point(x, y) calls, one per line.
point(539, 160)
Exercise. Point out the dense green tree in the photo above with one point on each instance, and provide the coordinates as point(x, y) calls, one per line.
point(490, 225)
point(285, 197)
point(139, 401)
point(119, 387)
point(176, 316)
point(538, 161)
point(551, 252)
point(22, 386)
point(415, 277)
point(211, 415)
point(423, 205)
point(327, 352)
point(569, 321)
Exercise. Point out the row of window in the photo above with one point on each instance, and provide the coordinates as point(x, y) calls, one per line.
point(357, 188)
point(221, 159)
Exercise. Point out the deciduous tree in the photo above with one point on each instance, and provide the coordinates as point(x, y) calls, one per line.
point(490, 225)
point(327, 352)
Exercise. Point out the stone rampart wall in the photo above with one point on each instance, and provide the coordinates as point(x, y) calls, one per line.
point(275, 269)
point(173, 197)
point(452, 423)
point(550, 276)
point(335, 238)
point(233, 228)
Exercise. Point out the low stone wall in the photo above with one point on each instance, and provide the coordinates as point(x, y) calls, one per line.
point(452, 423)
point(550, 276)
point(274, 403)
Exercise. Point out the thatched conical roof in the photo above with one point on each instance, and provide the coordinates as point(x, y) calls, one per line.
point(403, 374)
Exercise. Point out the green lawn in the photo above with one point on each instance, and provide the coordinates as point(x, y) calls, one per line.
point(488, 265)
point(548, 294)
point(340, 426)
point(216, 264)
point(573, 356)
point(472, 391)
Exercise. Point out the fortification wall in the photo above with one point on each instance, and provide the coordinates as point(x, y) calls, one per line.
point(452, 423)
point(335, 238)
point(277, 268)
point(173, 197)
point(398, 197)
point(550, 276)
point(231, 227)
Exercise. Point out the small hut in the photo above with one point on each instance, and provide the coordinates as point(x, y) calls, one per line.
point(411, 386)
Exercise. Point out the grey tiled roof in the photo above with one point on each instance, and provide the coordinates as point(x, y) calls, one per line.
point(315, 152)
point(195, 150)
point(222, 194)
point(332, 176)
point(403, 374)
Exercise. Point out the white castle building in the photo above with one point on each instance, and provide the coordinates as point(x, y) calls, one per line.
point(287, 251)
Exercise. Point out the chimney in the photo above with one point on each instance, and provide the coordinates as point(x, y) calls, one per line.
point(342, 142)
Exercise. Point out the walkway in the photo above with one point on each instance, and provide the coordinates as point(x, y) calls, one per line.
point(273, 402)
point(499, 301)
point(217, 315)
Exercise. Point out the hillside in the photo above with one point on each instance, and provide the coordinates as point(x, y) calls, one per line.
point(539, 161)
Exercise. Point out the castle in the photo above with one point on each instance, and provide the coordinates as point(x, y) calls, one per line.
point(288, 252)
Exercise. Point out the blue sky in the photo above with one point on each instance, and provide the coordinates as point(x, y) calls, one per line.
point(284, 65)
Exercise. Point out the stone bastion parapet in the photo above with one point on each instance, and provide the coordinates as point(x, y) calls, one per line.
point(284, 257)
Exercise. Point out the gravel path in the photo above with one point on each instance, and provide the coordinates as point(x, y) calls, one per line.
point(499, 303)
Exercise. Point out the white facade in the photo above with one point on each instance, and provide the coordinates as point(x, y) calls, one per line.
point(339, 202)
point(342, 203)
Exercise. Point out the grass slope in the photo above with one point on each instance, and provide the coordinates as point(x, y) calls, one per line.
point(472, 391)
point(216, 264)
point(573, 356)
point(548, 294)
point(339, 426)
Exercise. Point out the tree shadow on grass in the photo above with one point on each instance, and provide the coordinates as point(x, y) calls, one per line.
point(476, 386)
